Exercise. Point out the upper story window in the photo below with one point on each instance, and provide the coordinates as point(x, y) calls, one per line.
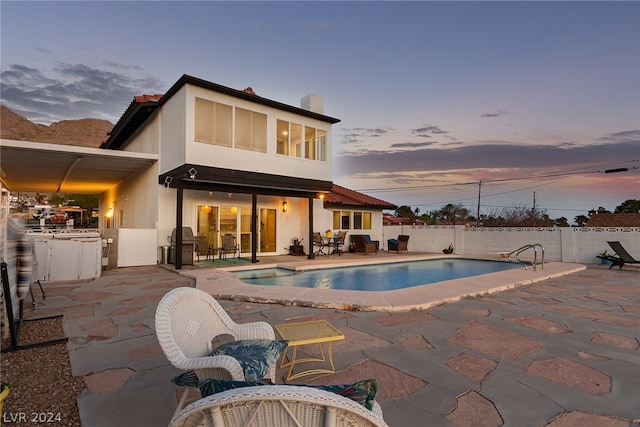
point(289, 141)
point(213, 123)
point(251, 130)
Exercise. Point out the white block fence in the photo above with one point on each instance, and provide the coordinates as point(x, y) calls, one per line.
point(566, 244)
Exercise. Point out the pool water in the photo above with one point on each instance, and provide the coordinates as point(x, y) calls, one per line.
point(378, 277)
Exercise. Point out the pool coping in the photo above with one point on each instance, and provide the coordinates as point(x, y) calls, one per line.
point(222, 284)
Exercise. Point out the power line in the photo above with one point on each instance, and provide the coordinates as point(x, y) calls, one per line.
point(577, 171)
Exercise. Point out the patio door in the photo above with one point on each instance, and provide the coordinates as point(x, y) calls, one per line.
point(208, 224)
point(228, 222)
point(267, 230)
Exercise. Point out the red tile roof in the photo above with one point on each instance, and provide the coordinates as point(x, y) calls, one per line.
point(344, 197)
point(147, 98)
point(614, 220)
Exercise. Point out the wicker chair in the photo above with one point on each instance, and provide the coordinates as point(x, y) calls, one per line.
point(399, 244)
point(186, 322)
point(277, 406)
point(363, 246)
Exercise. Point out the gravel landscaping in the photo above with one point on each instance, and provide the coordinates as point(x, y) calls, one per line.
point(42, 388)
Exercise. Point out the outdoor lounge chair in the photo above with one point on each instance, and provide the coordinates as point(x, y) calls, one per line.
point(277, 406)
point(187, 321)
point(399, 244)
point(621, 257)
point(364, 246)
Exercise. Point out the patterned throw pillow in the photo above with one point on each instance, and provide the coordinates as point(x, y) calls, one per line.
point(362, 392)
point(255, 356)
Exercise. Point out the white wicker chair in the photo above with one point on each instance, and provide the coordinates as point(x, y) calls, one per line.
point(277, 406)
point(186, 322)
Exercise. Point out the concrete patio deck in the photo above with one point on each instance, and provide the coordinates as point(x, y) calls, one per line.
point(559, 352)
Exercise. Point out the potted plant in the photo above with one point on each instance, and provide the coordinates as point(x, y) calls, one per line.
point(603, 255)
point(328, 233)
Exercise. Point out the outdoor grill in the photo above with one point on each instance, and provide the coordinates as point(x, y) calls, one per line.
point(188, 244)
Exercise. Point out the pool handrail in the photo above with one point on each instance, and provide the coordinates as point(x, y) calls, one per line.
point(533, 246)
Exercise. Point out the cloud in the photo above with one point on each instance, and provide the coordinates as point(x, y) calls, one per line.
point(73, 91)
point(629, 135)
point(488, 156)
point(412, 144)
point(359, 135)
point(427, 131)
point(494, 114)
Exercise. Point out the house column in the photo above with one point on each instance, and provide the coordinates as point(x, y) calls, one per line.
point(178, 249)
point(254, 227)
point(310, 237)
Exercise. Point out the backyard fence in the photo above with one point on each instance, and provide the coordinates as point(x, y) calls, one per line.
point(566, 244)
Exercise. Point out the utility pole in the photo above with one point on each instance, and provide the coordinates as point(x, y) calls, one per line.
point(478, 214)
point(533, 210)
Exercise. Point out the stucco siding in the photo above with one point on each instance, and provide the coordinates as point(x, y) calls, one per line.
point(173, 132)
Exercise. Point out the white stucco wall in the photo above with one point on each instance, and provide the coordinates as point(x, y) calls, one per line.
point(173, 131)
point(134, 202)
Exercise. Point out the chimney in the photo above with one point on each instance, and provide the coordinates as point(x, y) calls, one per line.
point(312, 103)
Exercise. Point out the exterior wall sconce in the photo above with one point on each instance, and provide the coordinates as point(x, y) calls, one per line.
point(110, 213)
point(285, 207)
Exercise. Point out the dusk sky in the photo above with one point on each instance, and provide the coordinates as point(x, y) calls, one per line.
point(529, 97)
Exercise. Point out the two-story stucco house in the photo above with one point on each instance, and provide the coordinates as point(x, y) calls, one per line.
point(229, 162)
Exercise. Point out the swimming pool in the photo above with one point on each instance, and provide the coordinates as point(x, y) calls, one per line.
point(378, 277)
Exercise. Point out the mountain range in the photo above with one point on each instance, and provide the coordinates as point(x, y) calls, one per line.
point(80, 132)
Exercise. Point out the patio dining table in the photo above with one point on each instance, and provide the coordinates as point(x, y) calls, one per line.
point(332, 244)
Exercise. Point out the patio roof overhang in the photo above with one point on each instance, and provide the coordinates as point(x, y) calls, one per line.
point(235, 181)
point(54, 168)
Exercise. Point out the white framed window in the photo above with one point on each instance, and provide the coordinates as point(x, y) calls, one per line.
point(289, 138)
point(315, 144)
point(251, 130)
point(213, 122)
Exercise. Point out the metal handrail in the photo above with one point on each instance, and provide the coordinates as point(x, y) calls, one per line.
point(533, 246)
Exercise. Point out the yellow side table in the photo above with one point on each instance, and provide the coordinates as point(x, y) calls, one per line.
point(3, 395)
point(305, 333)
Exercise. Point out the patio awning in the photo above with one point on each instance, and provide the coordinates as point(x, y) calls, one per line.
point(53, 168)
